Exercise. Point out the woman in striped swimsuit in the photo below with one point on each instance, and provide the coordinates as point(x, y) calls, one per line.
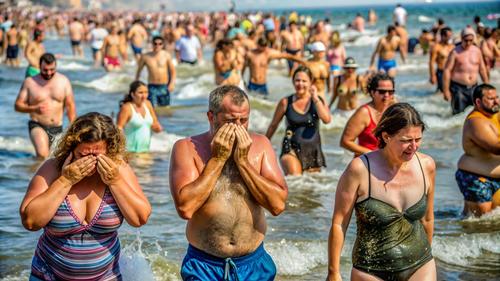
point(80, 198)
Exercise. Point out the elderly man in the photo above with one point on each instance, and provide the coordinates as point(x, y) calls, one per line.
point(221, 182)
point(460, 72)
point(478, 174)
point(44, 97)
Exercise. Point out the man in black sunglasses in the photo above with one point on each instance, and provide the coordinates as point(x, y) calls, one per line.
point(161, 73)
point(460, 75)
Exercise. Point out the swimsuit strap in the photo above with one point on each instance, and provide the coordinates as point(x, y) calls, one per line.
point(369, 176)
point(423, 175)
point(369, 113)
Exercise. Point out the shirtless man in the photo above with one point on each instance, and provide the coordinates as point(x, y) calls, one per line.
point(293, 44)
point(478, 174)
point(258, 62)
point(438, 56)
point(225, 62)
point(319, 34)
point(460, 72)
point(76, 35)
point(319, 67)
point(34, 50)
point(111, 50)
point(403, 37)
point(137, 36)
point(489, 49)
point(12, 53)
point(386, 50)
point(358, 23)
point(221, 182)
point(161, 73)
point(44, 97)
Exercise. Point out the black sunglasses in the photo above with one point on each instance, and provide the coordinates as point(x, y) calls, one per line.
point(383, 91)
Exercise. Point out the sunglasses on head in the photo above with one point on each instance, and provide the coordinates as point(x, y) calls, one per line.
point(383, 91)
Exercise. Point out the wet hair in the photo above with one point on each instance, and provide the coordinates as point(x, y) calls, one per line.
point(223, 42)
point(373, 83)
point(37, 33)
point(390, 28)
point(238, 97)
point(89, 128)
point(262, 42)
point(158, 38)
point(132, 89)
point(304, 69)
point(444, 30)
point(395, 118)
point(479, 91)
point(47, 58)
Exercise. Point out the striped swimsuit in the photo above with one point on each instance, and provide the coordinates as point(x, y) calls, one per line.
point(70, 250)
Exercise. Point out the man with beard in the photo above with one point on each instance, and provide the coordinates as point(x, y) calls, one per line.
point(460, 72)
point(161, 73)
point(44, 97)
point(478, 174)
point(221, 182)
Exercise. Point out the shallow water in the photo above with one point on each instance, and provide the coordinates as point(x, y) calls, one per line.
point(465, 249)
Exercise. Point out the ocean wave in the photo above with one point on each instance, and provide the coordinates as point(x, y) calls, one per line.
point(111, 82)
point(72, 66)
point(422, 18)
point(297, 258)
point(16, 144)
point(196, 87)
point(163, 142)
point(324, 180)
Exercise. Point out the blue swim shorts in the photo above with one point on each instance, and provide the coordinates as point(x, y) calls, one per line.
point(136, 50)
point(386, 65)
point(335, 67)
point(158, 94)
point(258, 88)
point(256, 266)
point(476, 188)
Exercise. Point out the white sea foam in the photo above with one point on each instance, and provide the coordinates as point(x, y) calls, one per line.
point(297, 258)
point(324, 180)
point(72, 66)
point(422, 18)
point(16, 144)
point(111, 82)
point(465, 249)
point(259, 122)
point(198, 87)
point(163, 142)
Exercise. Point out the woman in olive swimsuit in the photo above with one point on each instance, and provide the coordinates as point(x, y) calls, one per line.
point(392, 191)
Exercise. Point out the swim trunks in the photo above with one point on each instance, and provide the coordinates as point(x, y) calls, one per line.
point(335, 67)
point(291, 52)
point(111, 61)
point(189, 62)
point(31, 71)
point(476, 188)
point(75, 43)
point(158, 94)
point(461, 96)
point(386, 65)
point(136, 50)
point(94, 50)
point(12, 51)
point(226, 74)
point(258, 88)
point(198, 265)
point(52, 132)
point(439, 76)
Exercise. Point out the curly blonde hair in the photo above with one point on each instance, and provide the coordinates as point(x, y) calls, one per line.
point(88, 128)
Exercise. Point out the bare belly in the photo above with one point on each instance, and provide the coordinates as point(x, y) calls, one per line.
point(231, 223)
point(487, 166)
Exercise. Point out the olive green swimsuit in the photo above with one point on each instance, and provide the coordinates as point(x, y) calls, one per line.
point(390, 244)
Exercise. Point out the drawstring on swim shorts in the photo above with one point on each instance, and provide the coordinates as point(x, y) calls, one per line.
point(227, 269)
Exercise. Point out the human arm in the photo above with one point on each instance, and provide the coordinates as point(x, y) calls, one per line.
point(199, 50)
point(278, 115)
point(336, 82)
point(156, 126)
point(484, 136)
point(432, 61)
point(403, 49)
point(345, 198)
point(140, 66)
point(483, 71)
point(268, 185)
point(190, 189)
point(125, 188)
point(428, 219)
point(375, 52)
point(69, 102)
point(49, 187)
point(123, 116)
point(321, 108)
point(355, 125)
point(173, 75)
point(450, 62)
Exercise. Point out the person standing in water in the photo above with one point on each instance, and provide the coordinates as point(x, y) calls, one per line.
point(386, 51)
point(33, 51)
point(438, 56)
point(221, 182)
point(478, 174)
point(347, 88)
point(391, 191)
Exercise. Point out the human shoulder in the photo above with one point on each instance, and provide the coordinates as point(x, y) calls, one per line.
point(49, 170)
point(357, 168)
point(427, 162)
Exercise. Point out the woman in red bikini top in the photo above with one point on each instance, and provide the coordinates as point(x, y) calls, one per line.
point(362, 123)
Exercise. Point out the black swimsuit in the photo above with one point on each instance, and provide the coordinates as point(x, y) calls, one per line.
point(390, 244)
point(302, 136)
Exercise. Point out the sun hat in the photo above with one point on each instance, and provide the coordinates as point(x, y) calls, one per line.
point(350, 63)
